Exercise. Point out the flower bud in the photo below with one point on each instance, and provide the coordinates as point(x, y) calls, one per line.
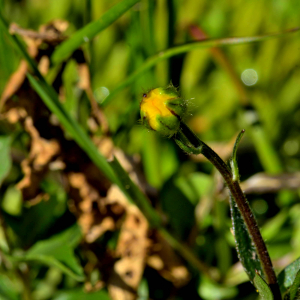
point(162, 109)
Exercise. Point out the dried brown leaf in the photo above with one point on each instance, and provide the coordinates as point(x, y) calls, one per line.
point(105, 146)
point(51, 33)
point(44, 65)
point(265, 183)
point(41, 153)
point(131, 249)
point(14, 83)
point(95, 214)
point(14, 115)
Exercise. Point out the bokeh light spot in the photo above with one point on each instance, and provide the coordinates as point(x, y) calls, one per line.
point(260, 206)
point(291, 147)
point(249, 77)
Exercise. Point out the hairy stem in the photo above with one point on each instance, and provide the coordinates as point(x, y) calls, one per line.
point(190, 143)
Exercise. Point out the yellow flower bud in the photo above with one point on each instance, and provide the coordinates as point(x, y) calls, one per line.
point(162, 109)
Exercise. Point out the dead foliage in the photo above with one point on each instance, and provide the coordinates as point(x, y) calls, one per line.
point(36, 165)
point(131, 252)
point(265, 183)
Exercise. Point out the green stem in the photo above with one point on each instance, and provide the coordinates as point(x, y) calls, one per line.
point(190, 143)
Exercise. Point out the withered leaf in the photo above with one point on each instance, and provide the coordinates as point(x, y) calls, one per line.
point(14, 83)
point(41, 153)
point(95, 214)
point(266, 183)
point(132, 247)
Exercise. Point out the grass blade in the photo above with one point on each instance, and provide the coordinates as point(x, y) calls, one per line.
point(152, 61)
point(91, 30)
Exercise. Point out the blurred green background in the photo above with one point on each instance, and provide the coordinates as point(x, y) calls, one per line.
point(252, 86)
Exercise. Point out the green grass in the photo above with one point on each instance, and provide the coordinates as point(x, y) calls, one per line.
point(130, 47)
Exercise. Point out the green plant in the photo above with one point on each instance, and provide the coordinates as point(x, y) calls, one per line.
point(191, 144)
point(69, 122)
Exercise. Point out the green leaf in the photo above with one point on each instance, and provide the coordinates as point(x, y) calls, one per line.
point(246, 251)
point(295, 287)
point(245, 248)
point(288, 274)
point(262, 287)
point(88, 32)
point(62, 258)
point(5, 159)
point(71, 237)
point(57, 251)
point(209, 43)
point(79, 294)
